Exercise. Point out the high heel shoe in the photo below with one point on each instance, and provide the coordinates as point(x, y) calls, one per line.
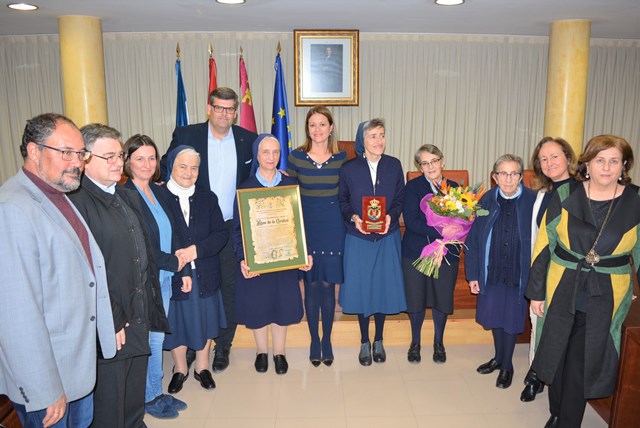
point(314, 353)
point(327, 352)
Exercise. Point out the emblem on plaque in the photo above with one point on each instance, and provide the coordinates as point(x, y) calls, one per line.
point(374, 213)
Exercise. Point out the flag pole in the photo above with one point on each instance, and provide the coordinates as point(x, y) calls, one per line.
point(178, 51)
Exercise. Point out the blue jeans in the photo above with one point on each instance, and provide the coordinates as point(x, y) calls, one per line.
point(79, 414)
point(154, 368)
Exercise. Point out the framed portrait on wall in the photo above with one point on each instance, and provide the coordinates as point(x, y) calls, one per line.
point(326, 67)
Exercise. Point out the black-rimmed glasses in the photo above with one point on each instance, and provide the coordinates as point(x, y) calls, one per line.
point(112, 158)
point(227, 110)
point(504, 174)
point(67, 155)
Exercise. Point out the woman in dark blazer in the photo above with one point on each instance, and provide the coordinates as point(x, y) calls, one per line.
point(142, 167)
point(425, 291)
point(497, 261)
point(195, 317)
point(372, 269)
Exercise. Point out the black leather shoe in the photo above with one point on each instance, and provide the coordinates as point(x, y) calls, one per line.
point(413, 356)
point(262, 363)
point(439, 354)
point(314, 362)
point(504, 379)
point(379, 354)
point(220, 360)
point(177, 380)
point(530, 390)
point(281, 364)
point(553, 422)
point(365, 354)
point(205, 379)
point(191, 357)
point(488, 367)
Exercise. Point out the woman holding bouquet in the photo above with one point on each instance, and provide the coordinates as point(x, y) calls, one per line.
point(372, 268)
point(424, 291)
point(497, 262)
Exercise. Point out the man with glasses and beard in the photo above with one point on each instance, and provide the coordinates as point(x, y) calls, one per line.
point(53, 285)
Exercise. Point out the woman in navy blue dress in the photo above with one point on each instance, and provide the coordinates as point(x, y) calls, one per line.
point(269, 299)
point(497, 261)
point(197, 316)
point(316, 166)
point(373, 283)
point(425, 291)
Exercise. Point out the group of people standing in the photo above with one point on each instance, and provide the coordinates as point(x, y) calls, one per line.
point(569, 250)
point(159, 262)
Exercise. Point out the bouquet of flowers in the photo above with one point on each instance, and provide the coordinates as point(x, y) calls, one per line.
point(451, 213)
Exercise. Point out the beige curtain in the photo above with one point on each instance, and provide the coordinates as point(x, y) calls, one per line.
point(476, 97)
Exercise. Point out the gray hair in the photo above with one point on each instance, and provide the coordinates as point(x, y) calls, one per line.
point(509, 158)
point(428, 148)
point(378, 122)
point(95, 131)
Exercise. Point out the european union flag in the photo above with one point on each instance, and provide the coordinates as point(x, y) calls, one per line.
point(280, 118)
point(182, 117)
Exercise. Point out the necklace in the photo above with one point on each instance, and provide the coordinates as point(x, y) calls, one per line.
point(592, 257)
point(319, 164)
point(373, 166)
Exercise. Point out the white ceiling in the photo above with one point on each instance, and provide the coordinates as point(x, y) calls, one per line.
point(618, 19)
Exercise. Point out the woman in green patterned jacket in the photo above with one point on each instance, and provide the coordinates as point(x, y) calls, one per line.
point(580, 283)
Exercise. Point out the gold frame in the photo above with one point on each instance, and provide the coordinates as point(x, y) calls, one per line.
point(297, 223)
point(311, 85)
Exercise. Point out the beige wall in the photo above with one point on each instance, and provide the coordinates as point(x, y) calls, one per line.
point(476, 97)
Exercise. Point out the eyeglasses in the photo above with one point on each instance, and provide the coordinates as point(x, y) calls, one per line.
point(68, 155)
point(433, 162)
point(112, 158)
point(227, 110)
point(504, 174)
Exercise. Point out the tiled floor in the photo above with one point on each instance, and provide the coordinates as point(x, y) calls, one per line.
point(394, 394)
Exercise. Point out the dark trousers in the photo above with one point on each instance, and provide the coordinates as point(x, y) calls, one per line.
point(229, 270)
point(566, 393)
point(119, 395)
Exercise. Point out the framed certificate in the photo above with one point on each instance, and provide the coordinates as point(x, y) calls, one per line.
point(272, 228)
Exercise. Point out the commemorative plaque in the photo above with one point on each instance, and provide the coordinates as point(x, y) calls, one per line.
point(272, 228)
point(374, 212)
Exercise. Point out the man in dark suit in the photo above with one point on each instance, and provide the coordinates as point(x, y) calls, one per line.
point(226, 155)
point(114, 215)
point(53, 284)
